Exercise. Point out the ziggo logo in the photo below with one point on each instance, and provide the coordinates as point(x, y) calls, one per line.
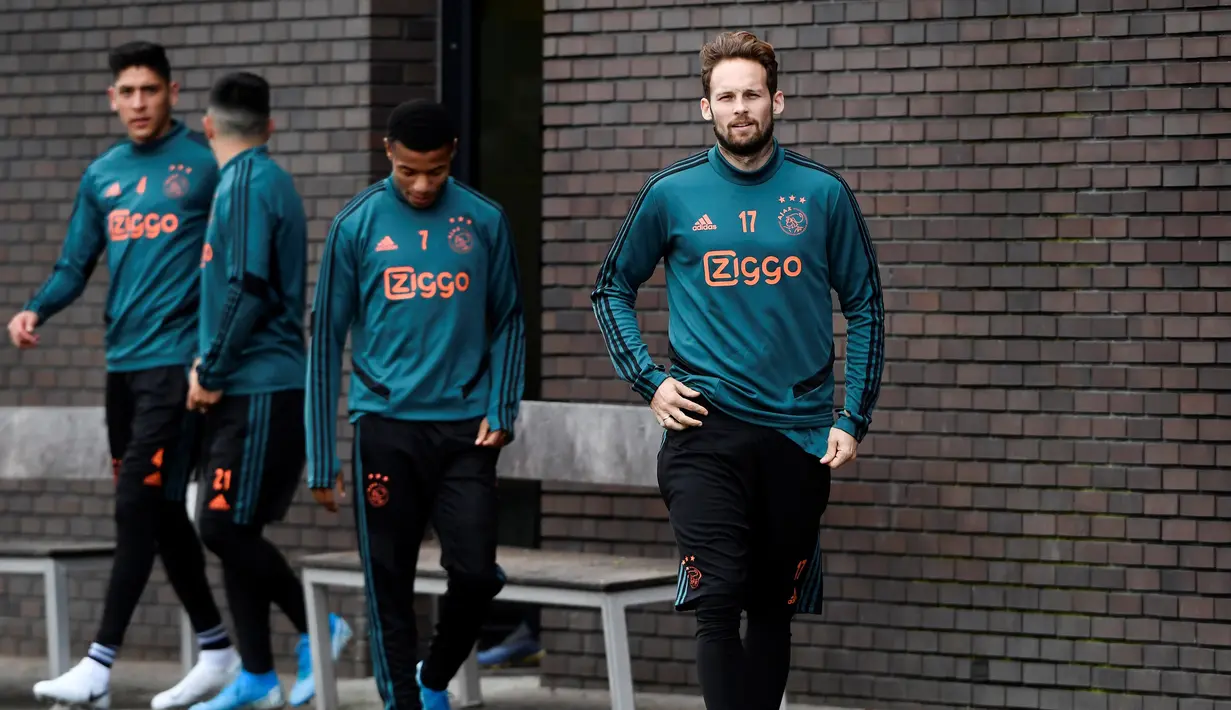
point(725, 268)
point(124, 225)
point(402, 282)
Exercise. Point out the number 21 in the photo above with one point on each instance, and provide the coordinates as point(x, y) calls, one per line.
point(423, 234)
point(749, 220)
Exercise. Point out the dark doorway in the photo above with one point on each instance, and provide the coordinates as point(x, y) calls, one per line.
point(491, 76)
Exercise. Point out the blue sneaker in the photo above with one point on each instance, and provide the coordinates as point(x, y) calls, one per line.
point(521, 648)
point(305, 685)
point(430, 699)
point(247, 692)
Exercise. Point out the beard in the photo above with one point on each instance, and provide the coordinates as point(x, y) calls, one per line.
point(749, 146)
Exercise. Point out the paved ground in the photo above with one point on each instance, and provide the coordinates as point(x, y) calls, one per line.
point(137, 682)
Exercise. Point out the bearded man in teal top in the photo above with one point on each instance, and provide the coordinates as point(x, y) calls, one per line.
point(753, 238)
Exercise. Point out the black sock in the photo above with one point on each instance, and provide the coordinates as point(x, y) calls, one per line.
point(767, 653)
point(721, 669)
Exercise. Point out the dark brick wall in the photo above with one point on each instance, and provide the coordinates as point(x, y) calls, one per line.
point(1035, 520)
point(336, 66)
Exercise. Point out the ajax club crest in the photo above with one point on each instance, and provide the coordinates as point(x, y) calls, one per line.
point(792, 220)
point(461, 239)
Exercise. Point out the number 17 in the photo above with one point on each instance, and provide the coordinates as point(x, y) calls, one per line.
point(749, 219)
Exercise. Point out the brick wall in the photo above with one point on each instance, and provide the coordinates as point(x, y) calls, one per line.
point(336, 66)
point(1035, 519)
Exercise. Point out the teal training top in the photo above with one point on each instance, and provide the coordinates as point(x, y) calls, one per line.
point(432, 301)
point(253, 281)
point(146, 206)
point(750, 260)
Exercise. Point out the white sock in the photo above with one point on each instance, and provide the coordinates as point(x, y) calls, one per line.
point(218, 657)
point(99, 674)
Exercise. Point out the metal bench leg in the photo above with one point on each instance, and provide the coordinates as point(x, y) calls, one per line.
point(322, 648)
point(188, 635)
point(188, 642)
point(619, 663)
point(55, 592)
point(465, 686)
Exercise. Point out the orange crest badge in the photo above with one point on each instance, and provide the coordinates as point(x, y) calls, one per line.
point(377, 493)
point(176, 185)
point(693, 574)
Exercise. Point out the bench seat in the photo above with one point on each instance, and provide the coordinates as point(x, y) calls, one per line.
point(609, 583)
point(53, 560)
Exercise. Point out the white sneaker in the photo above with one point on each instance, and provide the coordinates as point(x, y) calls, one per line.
point(85, 685)
point(214, 671)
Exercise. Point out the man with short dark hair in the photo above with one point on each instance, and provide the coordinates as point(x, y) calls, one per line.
point(249, 380)
point(144, 202)
point(421, 270)
point(754, 237)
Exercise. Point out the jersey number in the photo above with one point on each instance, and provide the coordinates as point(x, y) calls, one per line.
point(222, 479)
point(749, 220)
point(423, 235)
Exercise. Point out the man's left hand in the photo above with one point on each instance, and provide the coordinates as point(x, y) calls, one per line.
point(841, 448)
point(199, 398)
point(494, 438)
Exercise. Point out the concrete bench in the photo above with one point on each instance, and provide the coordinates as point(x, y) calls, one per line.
point(54, 560)
point(608, 583)
point(64, 443)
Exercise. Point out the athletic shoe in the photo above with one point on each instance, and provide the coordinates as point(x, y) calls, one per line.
point(521, 648)
point(85, 685)
point(248, 692)
point(430, 699)
point(215, 669)
point(305, 684)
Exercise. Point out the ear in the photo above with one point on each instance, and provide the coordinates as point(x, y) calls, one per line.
point(111, 98)
point(779, 103)
point(706, 113)
point(174, 92)
point(207, 126)
point(388, 149)
point(269, 127)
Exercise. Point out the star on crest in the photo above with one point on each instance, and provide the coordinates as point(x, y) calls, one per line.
point(792, 198)
point(461, 220)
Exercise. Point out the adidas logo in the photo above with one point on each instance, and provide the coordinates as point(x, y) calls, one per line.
point(387, 244)
point(113, 190)
point(704, 224)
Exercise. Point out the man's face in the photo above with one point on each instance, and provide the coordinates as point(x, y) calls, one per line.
point(419, 176)
point(143, 101)
point(740, 106)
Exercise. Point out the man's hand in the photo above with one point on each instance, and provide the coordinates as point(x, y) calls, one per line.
point(489, 437)
point(324, 496)
point(199, 398)
point(671, 400)
point(21, 330)
point(841, 448)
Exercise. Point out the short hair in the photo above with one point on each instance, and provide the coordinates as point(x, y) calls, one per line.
point(239, 105)
point(140, 54)
point(738, 45)
point(421, 125)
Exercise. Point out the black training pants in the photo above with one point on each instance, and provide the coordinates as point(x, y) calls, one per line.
point(254, 465)
point(745, 503)
point(408, 474)
point(153, 442)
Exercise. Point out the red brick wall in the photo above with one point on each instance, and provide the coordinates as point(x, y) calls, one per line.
point(1035, 519)
point(335, 67)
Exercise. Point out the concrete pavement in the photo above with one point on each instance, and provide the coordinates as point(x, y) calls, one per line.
point(135, 682)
